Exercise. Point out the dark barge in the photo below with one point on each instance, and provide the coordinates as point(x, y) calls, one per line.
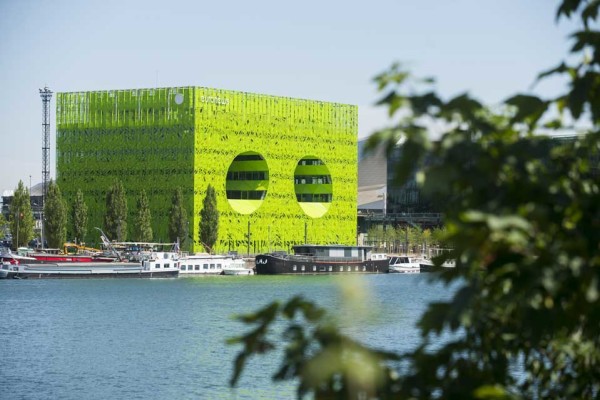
point(323, 259)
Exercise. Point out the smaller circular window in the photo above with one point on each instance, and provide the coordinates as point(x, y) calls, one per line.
point(178, 98)
point(312, 184)
point(247, 182)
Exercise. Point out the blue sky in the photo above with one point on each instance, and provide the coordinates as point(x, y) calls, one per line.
point(323, 50)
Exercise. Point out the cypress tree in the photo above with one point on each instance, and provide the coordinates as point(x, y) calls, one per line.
point(178, 220)
point(209, 220)
point(21, 217)
point(55, 213)
point(79, 217)
point(143, 221)
point(115, 219)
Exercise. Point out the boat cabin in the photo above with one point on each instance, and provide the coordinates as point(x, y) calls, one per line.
point(331, 252)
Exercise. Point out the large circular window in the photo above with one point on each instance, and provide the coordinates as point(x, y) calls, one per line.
point(312, 184)
point(247, 182)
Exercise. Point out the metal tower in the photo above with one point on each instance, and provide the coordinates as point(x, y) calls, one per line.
point(46, 95)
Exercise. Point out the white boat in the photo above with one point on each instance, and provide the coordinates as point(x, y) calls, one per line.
point(205, 264)
point(5, 270)
point(152, 268)
point(161, 260)
point(405, 265)
point(237, 267)
point(12, 258)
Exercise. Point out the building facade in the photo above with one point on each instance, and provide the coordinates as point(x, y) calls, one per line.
point(284, 170)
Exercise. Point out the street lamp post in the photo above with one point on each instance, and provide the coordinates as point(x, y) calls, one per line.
point(248, 238)
point(18, 216)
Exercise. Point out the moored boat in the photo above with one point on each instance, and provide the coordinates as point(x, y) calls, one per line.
point(93, 270)
point(323, 259)
point(7, 256)
point(53, 258)
point(427, 265)
point(206, 264)
point(7, 270)
point(237, 267)
point(404, 265)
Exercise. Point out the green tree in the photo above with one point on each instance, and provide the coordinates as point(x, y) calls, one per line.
point(21, 217)
point(3, 226)
point(178, 219)
point(209, 220)
point(55, 217)
point(115, 219)
point(522, 211)
point(79, 217)
point(438, 236)
point(143, 221)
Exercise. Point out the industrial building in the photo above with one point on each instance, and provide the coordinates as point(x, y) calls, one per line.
point(284, 169)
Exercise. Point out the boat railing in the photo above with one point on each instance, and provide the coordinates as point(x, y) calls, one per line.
point(309, 258)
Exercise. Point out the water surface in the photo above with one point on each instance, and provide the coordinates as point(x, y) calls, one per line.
point(165, 338)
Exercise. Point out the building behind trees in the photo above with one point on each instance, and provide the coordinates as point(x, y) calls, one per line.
point(280, 166)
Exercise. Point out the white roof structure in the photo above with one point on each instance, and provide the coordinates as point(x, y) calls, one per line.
point(372, 179)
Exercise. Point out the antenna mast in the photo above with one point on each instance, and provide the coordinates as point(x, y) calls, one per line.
point(46, 95)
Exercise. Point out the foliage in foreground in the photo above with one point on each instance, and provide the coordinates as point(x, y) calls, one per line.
point(523, 213)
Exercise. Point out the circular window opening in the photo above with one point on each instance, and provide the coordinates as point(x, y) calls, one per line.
point(312, 184)
point(247, 182)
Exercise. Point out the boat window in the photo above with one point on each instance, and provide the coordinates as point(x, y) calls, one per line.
point(157, 265)
point(314, 267)
point(167, 265)
point(364, 268)
point(212, 266)
point(341, 269)
point(330, 268)
point(204, 266)
point(356, 268)
point(303, 268)
point(183, 267)
point(294, 268)
point(218, 266)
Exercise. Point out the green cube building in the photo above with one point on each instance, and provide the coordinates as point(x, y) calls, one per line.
point(284, 169)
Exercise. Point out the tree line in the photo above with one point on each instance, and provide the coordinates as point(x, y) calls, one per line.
point(406, 239)
point(60, 218)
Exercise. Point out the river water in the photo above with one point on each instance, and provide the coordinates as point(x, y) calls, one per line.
point(165, 338)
